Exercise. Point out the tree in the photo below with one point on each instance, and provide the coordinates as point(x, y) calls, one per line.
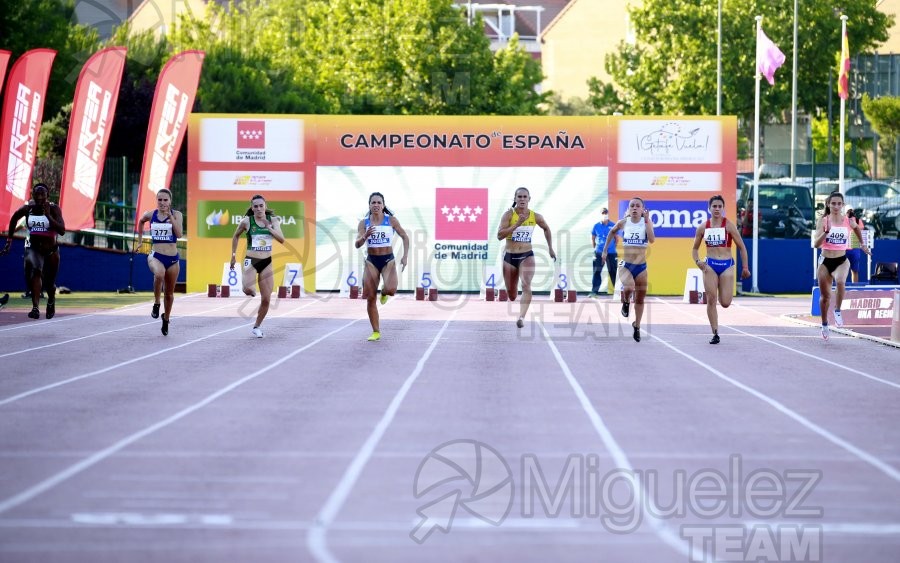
point(48, 24)
point(884, 115)
point(671, 68)
point(356, 56)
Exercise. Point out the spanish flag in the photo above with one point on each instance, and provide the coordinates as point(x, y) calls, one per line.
point(844, 69)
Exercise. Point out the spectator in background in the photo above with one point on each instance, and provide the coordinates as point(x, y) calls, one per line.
point(854, 255)
point(747, 218)
point(598, 239)
point(115, 215)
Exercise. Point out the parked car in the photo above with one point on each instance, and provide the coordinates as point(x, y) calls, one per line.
point(859, 194)
point(885, 219)
point(785, 209)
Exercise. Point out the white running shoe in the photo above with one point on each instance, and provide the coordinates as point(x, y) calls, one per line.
point(257, 332)
point(838, 319)
point(825, 332)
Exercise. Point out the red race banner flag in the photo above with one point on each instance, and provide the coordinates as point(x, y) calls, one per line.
point(23, 107)
point(90, 126)
point(844, 69)
point(4, 60)
point(172, 105)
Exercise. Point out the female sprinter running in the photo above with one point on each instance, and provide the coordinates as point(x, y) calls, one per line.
point(44, 222)
point(261, 226)
point(718, 268)
point(166, 226)
point(517, 226)
point(377, 231)
point(637, 234)
point(833, 237)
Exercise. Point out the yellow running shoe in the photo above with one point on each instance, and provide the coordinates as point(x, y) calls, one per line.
point(384, 298)
point(375, 336)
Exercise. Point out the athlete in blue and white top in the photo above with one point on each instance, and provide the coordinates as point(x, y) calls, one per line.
point(165, 230)
point(377, 232)
point(718, 269)
point(637, 234)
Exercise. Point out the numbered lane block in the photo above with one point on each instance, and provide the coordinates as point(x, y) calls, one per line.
point(571, 296)
point(282, 291)
point(432, 294)
point(504, 296)
point(212, 290)
point(558, 295)
point(225, 291)
point(489, 294)
point(354, 292)
point(295, 291)
point(697, 297)
point(420, 294)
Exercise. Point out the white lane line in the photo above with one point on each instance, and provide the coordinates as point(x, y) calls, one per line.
point(94, 334)
point(30, 324)
point(316, 539)
point(852, 369)
point(618, 454)
point(797, 417)
point(62, 382)
point(103, 454)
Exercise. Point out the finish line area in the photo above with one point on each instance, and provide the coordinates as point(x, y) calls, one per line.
point(457, 436)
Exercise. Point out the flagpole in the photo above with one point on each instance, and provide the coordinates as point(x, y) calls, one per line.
point(719, 63)
point(794, 103)
point(843, 106)
point(755, 269)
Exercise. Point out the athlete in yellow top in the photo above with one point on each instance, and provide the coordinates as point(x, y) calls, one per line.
point(517, 226)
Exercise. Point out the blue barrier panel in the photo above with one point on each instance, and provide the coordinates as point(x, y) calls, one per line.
point(83, 268)
point(786, 266)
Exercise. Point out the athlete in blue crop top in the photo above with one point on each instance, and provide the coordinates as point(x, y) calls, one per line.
point(718, 268)
point(44, 221)
point(165, 230)
point(377, 231)
point(637, 234)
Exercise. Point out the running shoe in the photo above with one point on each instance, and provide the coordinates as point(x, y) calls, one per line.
point(384, 298)
point(4, 300)
point(375, 336)
point(825, 332)
point(155, 311)
point(637, 333)
point(715, 338)
point(592, 295)
point(165, 326)
point(51, 309)
point(520, 322)
point(257, 332)
point(838, 319)
point(35, 313)
point(625, 306)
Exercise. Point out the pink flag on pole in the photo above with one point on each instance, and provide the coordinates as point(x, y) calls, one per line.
point(4, 60)
point(768, 57)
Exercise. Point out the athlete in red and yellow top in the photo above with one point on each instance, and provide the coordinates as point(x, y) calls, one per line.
point(718, 268)
point(517, 227)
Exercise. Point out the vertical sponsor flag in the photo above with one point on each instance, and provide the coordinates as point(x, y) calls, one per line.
point(23, 107)
point(4, 60)
point(172, 105)
point(768, 56)
point(90, 126)
point(461, 214)
point(844, 69)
